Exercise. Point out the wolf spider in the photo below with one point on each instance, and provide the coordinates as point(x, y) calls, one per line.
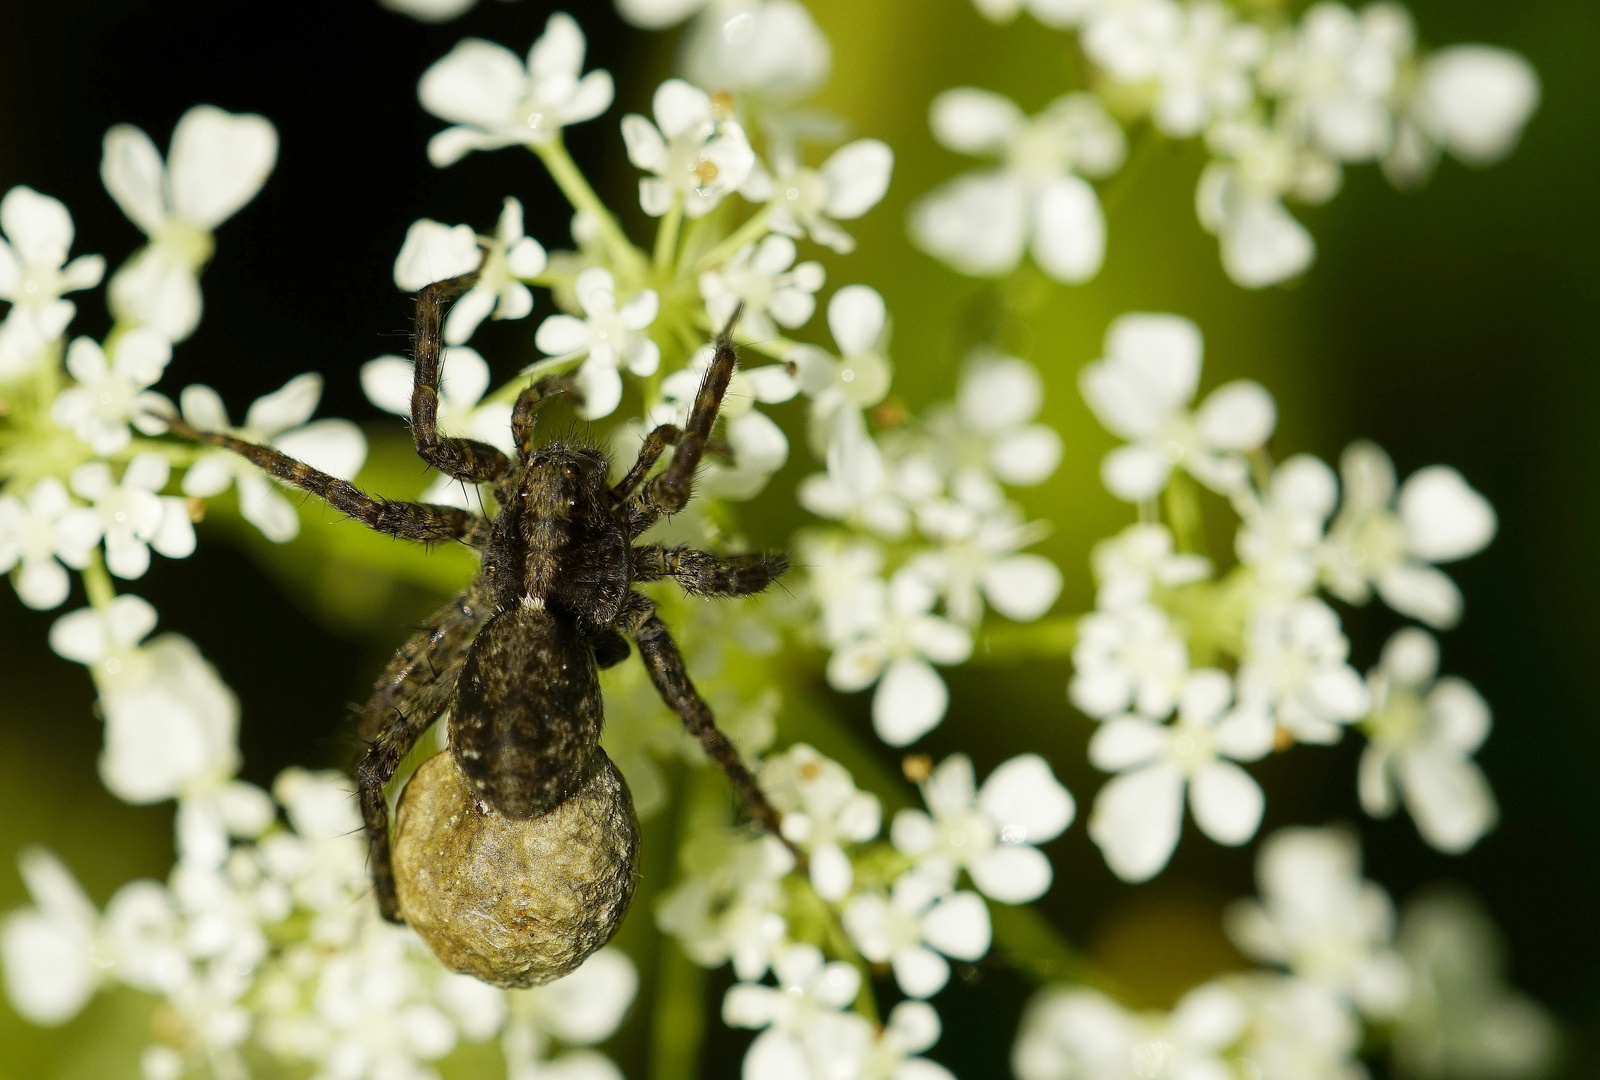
point(513, 659)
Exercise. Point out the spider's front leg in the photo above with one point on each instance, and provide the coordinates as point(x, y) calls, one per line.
point(704, 574)
point(461, 459)
point(414, 690)
point(671, 679)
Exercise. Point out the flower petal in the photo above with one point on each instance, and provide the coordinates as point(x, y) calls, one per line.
point(388, 382)
point(1445, 519)
point(1227, 803)
point(217, 163)
point(856, 317)
point(858, 176)
point(289, 406)
point(1239, 415)
point(477, 82)
point(973, 121)
point(134, 175)
point(1024, 798)
point(1136, 819)
point(910, 701)
point(1012, 873)
point(1069, 239)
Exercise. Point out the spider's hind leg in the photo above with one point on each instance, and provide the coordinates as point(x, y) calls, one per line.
point(704, 574)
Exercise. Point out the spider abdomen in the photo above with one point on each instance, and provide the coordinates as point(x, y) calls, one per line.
point(525, 726)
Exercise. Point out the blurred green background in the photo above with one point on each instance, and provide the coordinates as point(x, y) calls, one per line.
point(1457, 324)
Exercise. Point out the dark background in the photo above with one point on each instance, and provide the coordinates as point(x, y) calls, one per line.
point(1456, 324)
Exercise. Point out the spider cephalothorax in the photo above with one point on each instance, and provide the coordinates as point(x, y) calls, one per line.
point(516, 853)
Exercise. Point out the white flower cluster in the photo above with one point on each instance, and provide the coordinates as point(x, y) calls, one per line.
point(265, 938)
point(1282, 107)
point(1344, 963)
point(1165, 623)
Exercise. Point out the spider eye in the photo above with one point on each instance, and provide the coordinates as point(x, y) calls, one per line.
point(571, 471)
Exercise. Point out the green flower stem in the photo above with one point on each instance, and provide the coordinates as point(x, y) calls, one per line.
point(1183, 514)
point(97, 582)
point(752, 230)
point(678, 1021)
point(667, 237)
point(1018, 643)
point(570, 179)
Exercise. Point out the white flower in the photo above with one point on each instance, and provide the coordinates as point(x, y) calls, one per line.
point(981, 222)
point(464, 378)
point(1207, 70)
point(216, 163)
point(1077, 1034)
point(1421, 737)
point(980, 555)
point(49, 949)
point(1130, 566)
point(1319, 919)
point(768, 48)
point(171, 723)
point(811, 202)
point(1280, 536)
point(991, 430)
point(859, 377)
point(131, 517)
point(608, 337)
point(433, 251)
point(34, 272)
point(30, 546)
point(110, 396)
point(1262, 243)
point(728, 907)
point(278, 419)
point(990, 831)
point(497, 101)
point(1141, 391)
point(909, 929)
point(1129, 657)
point(696, 154)
point(1336, 75)
point(760, 277)
point(1463, 1019)
point(1387, 543)
point(910, 1028)
point(1471, 100)
point(894, 644)
point(806, 1032)
point(1137, 816)
point(1293, 669)
point(821, 810)
point(1297, 1028)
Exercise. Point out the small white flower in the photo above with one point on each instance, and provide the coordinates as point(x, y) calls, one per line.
point(992, 429)
point(1472, 100)
point(822, 810)
point(764, 278)
point(910, 1028)
point(496, 100)
point(1138, 815)
point(1142, 390)
point(1208, 69)
point(1383, 542)
point(130, 516)
point(1130, 566)
point(759, 445)
point(281, 419)
point(859, 377)
point(911, 927)
point(608, 337)
point(981, 222)
point(805, 1028)
point(989, 831)
point(464, 378)
point(1319, 919)
point(1294, 669)
point(49, 949)
point(728, 907)
point(1421, 737)
point(1280, 536)
point(1127, 658)
point(1297, 1028)
point(894, 644)
point(1262, 243)
point(768, 48)
point(110, 396)
point(216, 163)
point(696, 155)
point(811, 202)
point(980, 558)
point(34, 273)
point(1335, 75)
point(30, 546)
point(434, 252)
point(1463, 1017)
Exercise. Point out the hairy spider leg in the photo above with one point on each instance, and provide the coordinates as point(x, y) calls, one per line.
point(463, 459)
point(429, 523)
point(523, 413)
point(671, 679)
point(422, 664)
point(704, 574)
point(654, 445)
point(669, 491)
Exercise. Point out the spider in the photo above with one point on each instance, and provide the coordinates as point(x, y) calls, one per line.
point(513, 659)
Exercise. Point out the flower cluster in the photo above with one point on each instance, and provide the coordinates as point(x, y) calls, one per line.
point(1191, 672)
point(1282, 106)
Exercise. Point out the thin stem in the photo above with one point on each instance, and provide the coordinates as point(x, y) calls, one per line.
point(1183, 514)
point(752, 230)
point(570, 179)
point(678, 1021)
point(97, 582)
point(667, 236)
point(1007, 644)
